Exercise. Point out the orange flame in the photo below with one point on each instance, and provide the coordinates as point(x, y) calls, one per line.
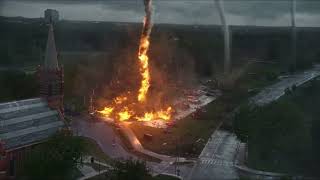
point(144, 68)
point(162, 114)
point(165, 115)
point(106, 111)
point(125, 114)
point(147, 117)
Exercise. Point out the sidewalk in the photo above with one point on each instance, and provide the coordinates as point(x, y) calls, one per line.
point(87, 159)
point(88, 172)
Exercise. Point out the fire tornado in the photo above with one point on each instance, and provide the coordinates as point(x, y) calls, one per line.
point(143, 50)
point(123, 107)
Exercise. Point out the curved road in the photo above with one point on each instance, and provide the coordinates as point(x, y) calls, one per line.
point(102, 133)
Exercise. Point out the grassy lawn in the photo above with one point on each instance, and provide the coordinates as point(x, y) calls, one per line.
point(258, 76)
point(94, 150)
point(96, 166)
point(190, 134)
point(188, 137)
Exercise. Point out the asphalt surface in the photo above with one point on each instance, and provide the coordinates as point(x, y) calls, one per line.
point(103, 134)
point(275, 91)
point(216, 160)
point(169, 168)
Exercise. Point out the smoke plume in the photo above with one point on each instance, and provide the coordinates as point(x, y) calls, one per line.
point(148, 19)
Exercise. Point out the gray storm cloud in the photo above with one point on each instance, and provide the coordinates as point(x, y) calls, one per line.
point(238, 12)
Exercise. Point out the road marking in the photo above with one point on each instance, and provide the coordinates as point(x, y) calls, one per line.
point(216, 162)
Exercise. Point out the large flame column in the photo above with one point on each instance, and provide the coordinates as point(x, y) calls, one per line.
point(122, 108)
point(143, 50)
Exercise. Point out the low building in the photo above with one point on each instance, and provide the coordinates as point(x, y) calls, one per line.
point(23, 124)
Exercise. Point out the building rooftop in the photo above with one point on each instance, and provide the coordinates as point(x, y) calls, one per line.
point(27, 122)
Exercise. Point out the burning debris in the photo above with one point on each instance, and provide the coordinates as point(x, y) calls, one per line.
point(130, 106)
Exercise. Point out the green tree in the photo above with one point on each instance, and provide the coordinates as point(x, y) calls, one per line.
point(242, 121)
point(130, 170)
point(12, 82)
point(316, 139)
point(277, 136)
point(273, 51)
point(56, 159)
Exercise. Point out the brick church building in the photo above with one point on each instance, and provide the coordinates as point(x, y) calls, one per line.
point(25, 123)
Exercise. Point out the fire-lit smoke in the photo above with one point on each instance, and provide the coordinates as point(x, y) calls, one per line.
point(128, 106)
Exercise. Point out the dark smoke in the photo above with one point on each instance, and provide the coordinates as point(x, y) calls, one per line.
point(148, 18)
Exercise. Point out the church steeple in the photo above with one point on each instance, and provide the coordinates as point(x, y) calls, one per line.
point(51, 76)
point(51, 61)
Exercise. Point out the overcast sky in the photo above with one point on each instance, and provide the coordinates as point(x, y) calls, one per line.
point(238, 12)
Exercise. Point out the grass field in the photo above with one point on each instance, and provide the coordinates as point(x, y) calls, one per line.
point(188, 137)
point(191, 133)
point(94, 150)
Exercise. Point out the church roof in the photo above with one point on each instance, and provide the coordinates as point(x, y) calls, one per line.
point(51, 61)
point(26, 122)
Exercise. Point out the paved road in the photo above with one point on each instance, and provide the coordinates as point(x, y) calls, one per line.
point(277, 90)
point(218, 156)
point(166, 167)
point(216, 160)
point(102, 133)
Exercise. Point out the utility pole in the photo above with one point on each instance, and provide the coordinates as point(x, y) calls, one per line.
point(91, 107)
point(175, 164)
point(177, 170)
